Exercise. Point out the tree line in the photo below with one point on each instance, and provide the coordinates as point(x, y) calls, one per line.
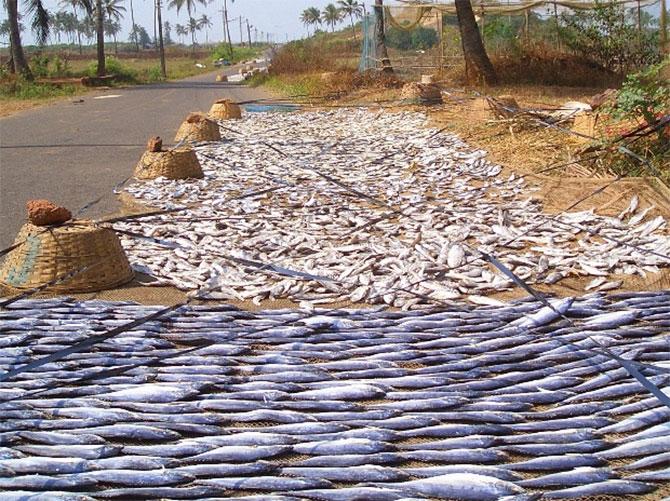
point(94, 20)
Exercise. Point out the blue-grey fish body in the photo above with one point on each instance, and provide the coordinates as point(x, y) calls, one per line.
point(201, 492)
point(648, 462)
point(351, 474)
point(246, 438)
point(605, 488)
point(169, 451)
point(307, 429)
point(348, 392)
point(561, 462)
point(8, 453)
point(362, 493)
point(489, 471)
point(461, 486)
point(642, 447)
point(346, 460)
point(54, 438)
point(563, 423)
point(45, 482)
point(551, 437)
point(343, 446)
point(141, 478)
point(659, 430)
point(577, 476)
point(71, 451)
point(641, 420)
point(432, 404)
point(652, 476)
point(230, 470)
point(126, 462)
point(238, 454)
point(275, 416)
point(45, 465)
point(264, 483)
point(456, 456)
point(45, 496)
point(470, 442)
point(403, 422)
point(131, 432)
point(456, 430)
point(558, 449)
point(611, 320)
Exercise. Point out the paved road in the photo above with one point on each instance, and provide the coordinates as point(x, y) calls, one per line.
point(72, 153)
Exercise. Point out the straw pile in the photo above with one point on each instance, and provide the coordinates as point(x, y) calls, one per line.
point(198, 128)
point(225, 109)
point(419, 93)
point(180, 163)
point(45, 255)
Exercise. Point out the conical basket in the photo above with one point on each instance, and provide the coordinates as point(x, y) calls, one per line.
point(175, 164)
point(225, 110)
point(48, 254)
point(204, 130)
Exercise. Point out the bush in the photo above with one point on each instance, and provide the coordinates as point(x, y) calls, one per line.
point(644, 94)
point(418, 39)
point(39, 64)
point(605, 36)
point(114, 67)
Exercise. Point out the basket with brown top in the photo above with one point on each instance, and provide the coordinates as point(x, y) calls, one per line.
point(196, 128)
point(179, 163)
point(225, 109)
point(52, 246)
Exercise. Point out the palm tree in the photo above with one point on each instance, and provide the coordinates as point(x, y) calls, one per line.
point(40, 25)
point(134, 32)
point(190, 8)
point(310, 16)
point(205, 23)
point(353, 9)
point(113, 9)
point(167, 27)
point(181, 32)
point(473, 49)
point(193, 27)
point(113, 28)
point(74, 4)
point(331, 16)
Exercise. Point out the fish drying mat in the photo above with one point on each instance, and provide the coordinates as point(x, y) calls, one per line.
point(279, 391)
point(303, 191)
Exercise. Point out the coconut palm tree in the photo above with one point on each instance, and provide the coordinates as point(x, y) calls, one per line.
point(193, 27)
point(331, 16)
point(181, 32)
point(134, 32)
point(74, 5)
point(205, 23)
point(353, 10)
point(190, 8)
point(112, 29)
point(113, 9)
point(40, 26)
point(310, 16)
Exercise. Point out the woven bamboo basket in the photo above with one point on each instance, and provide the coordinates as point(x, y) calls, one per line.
point(419, 93)
point(225, 109)
point(45, 256)
point(204, 130)
point(175, 164)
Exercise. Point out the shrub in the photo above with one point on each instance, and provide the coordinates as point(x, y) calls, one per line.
point(114, 67)
point(605, 36)
point(418, 39)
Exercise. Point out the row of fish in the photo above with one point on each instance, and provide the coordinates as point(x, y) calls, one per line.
point(468, 403)
point(356, 206)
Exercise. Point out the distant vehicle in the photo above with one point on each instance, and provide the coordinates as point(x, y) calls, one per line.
point(222, 62)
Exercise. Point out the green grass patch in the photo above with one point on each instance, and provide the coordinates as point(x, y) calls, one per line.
point(289, 85)
point(17, 89)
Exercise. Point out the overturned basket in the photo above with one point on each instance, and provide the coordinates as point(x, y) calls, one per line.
point(225, 109)
point(420, 93)
point(47, 254)
point(197, 127)
point(181, 163)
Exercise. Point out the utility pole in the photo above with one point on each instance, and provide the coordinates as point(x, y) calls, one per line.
point(161, 46)
point(249, 33)
point(223, 23)
point(241, 34)
point(225, 15)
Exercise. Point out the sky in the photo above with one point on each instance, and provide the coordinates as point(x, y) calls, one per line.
point(279, 17)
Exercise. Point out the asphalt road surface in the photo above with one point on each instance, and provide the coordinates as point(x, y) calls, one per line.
point(74, 152)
